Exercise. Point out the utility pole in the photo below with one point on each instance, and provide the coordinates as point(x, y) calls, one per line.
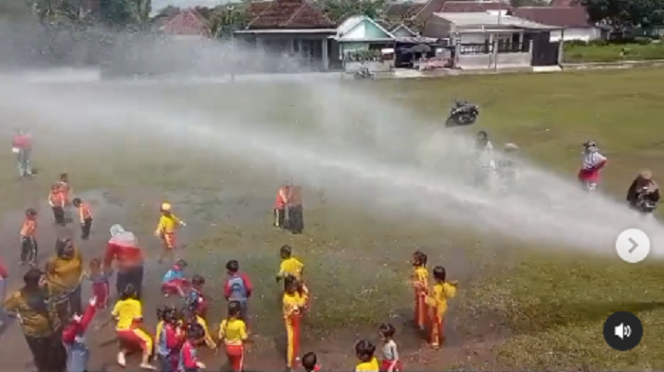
point(495, 39)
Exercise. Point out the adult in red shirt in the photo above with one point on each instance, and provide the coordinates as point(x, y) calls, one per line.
point(22, 147)
point(124, 250)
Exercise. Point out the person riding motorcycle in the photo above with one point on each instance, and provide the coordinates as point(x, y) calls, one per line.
point(643, 194)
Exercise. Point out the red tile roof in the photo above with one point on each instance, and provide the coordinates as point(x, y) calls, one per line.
point(472, 6)
point(567, 17)
point(296, 14)
point(186, 22)
point(256, 8)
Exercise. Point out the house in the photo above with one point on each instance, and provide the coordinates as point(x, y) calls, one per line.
point(485, 40)
point(402, 10)
point(460, 6)
point(401, 30)
point(186, 24)
point(572, 20)
point(361, 34)
point(294, 27)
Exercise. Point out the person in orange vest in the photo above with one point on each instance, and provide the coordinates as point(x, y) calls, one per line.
point(57, 202)
point(66, 191)
point(282, 199)
point(22, 148)
point(166, 230)
point(29, 247)
point(84, 216)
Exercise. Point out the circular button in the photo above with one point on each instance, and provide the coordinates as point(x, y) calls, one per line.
point(623, 331)
point(633, 245)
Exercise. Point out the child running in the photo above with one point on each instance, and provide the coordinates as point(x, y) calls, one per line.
point(29, 248)
point(293, 306)
point(100, 283)
point(442, 291)
point(166, 230)
point(188, 360)
point(364, 350)
point(168, 337)
point(391, 361)
point(174, 282)
point(233, 333)
point(420, 280)
point(128, 312)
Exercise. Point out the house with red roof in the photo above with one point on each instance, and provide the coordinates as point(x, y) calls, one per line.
point(571, 19)
point(185, 24)
point(298, 28)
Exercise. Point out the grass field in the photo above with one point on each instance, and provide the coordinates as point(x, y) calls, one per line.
point(613, 52)
point(520, 307)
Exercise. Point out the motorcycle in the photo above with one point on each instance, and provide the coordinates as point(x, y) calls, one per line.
point(644, 204)
point(363, 73)
point(462, 113)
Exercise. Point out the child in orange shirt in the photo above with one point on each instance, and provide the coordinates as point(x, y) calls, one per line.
point(56, 200)
point(420, 281)
point(84, 217)
point(441, 292)
point(29, 247)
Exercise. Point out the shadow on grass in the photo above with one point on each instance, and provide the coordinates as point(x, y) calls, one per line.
point(554, 315)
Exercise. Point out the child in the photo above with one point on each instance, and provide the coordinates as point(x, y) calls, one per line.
point(84, 216)
point(188, 360)
point(73, 337)
point(420, 280)
point(65, 188)
point(233, 333)
point(310, 362)
point(591, 164)
point(293, 306)
point(174, 281)
point(56, 200)
point(191, 318)
point(128, 312)
point(168, 337)
point(195, 298)
point(238, 286)
point(291, 266)
point(100, 285)
point(364, 350)
point(391, 362)
point(29, 248)
point(442, 291)
point(168, 224)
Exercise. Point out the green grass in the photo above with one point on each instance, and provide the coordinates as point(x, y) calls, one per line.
point(547, 310)
point(613, 52)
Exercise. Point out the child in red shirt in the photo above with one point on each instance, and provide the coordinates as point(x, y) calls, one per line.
point(100, 283)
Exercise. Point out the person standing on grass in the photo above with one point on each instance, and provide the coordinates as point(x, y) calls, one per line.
point(441, 292)
point(39, 321)
point(280, 204)
point(123, 249)
point(391, 361)
point(420, 281)
point(233, 333)
point(188, 360)
point(365, 350)
point(100, 284)
point(295, 210)
point(291, 266)
point(593, 161)
point(168, 339)
point(66, 191)
point(73, 337)
point(56, 200)
point(237, 287)
point(22, 148)
point(84, 217)
point(64, 274)
point(166, 230)
point(29, 248)
point(196, 299)
point(294, 305)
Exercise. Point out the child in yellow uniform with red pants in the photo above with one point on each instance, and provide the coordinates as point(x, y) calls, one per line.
point(441, 292)
point(128, 312)
point(233, 333)
point(364, 350)
point(291, 266)
point(294, 304)
point(166, 229)
point(420, 282)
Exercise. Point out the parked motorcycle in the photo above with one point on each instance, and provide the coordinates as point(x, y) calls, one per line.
point(462, 113)
point(363, 73)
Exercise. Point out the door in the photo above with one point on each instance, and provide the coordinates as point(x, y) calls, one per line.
point(545, 53)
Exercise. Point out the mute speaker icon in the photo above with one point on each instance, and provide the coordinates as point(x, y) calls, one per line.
point(622, 331)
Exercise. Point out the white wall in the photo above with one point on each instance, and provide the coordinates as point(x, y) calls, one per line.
point(584, 34)
point(473, 38)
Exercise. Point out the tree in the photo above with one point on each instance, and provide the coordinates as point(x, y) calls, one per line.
point(224, 20)
point(337, 9)
point(125, 13)
point(622, 14)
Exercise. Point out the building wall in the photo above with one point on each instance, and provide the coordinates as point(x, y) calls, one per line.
point(437, 28)
point(583, 34)
point(486, 61)
point(365, 30)
point(473, 38)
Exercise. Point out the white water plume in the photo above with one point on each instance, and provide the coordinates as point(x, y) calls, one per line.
point(355, 146)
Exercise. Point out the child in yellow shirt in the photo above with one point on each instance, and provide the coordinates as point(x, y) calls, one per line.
point(441, 292)
point(420, 282)
point(293, 307)
point(166, 230)
point(233, 333)
point(364, 350)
